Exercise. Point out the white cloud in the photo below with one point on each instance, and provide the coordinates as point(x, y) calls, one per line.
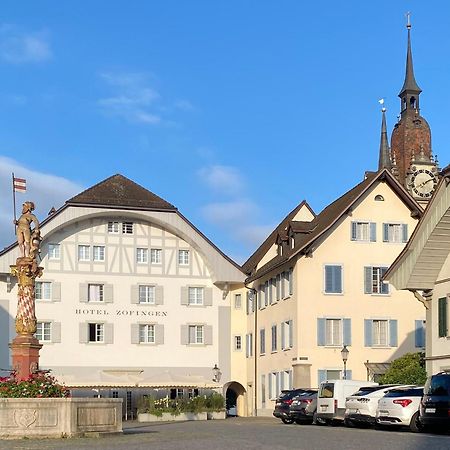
point(45, 190)
point(184, 105)
point(254, 234)
point(223, 179)
point(19, 47)
point(229, 214)
point(132, 99)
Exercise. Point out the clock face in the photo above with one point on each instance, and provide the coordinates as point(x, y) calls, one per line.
point(423, 182)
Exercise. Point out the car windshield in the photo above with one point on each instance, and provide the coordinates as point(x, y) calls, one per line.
point(438, 385)
point(326, 390)
point(287, 395)
point(413, 392)
point(366, 390)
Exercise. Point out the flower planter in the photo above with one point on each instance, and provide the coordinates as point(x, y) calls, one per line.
point(216, 415)
point(167, 417)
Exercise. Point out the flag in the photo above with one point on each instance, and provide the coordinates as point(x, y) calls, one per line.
point(19, 184)
point(381, 101)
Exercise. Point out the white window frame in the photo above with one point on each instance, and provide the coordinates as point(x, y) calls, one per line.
point(394, 233)
point(237, 301)
point(155, 256)
point(376, 276)
point(147, 333)
point(99, 332)
point(287, 329)
point(196, 296)
point(54, 251)
point(274, 338)
point(98, 253)
point(127, 227)
point(141, 255)
point(183, 257)
point(96, 293)
point(44, 331)
point(334, 332)
point(84, 252)
point(377, 333)
point(146, 293)
point(114, 227)
point(197, 332)
point(43, 290)
point(362, 230)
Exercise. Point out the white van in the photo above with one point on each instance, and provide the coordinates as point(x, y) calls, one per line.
point(332, 395)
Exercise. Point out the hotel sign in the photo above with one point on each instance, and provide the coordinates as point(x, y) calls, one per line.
point(119, 312)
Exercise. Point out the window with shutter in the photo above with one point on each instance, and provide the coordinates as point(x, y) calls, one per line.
point(442, 317)
point(363, 231)
point(333, 279)
point(373, 283)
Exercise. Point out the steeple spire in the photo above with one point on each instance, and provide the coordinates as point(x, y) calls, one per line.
point(384, 161)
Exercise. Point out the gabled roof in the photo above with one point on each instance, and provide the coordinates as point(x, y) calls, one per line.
point(118, 191)
point(326, 219)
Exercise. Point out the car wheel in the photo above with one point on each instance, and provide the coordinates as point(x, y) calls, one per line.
point(287, 421)
point(415, 426)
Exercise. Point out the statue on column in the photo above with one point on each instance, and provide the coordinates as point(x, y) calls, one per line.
point(27, 239)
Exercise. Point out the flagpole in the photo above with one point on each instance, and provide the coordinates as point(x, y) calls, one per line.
point(14, 204)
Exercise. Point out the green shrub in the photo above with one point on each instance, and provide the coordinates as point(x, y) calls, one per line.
point(215, 402)
point(408, 369)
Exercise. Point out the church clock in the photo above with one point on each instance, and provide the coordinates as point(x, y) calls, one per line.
point(422, 183)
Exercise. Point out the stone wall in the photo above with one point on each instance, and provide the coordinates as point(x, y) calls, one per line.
point(59, 417)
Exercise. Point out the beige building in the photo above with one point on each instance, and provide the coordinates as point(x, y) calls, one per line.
point(424, 269)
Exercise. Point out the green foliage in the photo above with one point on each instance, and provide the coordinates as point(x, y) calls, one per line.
point(35, 386)
point(408, 369)
point(215, 402)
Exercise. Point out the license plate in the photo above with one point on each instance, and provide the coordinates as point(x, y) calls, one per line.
point(430, 410)
point(323, 407)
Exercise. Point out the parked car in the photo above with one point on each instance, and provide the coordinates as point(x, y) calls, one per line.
point(283, 403)
point(331, 398)
point(303, 407)
point(435, 404)
point(361, 407)
point(400, 406)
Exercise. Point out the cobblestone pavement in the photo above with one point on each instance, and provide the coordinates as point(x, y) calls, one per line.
point(240, 434)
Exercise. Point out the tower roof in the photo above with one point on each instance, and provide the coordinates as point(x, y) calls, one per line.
point(410, 84)
point(384, 161)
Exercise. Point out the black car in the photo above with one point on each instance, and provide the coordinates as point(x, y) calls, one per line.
point(435, 404)
point(283, 403)
point(304, 406)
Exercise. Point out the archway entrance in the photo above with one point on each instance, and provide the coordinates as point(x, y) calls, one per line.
point(235, 399)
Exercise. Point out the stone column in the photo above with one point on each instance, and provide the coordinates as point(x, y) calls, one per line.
point(25, 347)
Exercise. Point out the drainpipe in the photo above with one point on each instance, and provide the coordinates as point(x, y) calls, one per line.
point(255, 383)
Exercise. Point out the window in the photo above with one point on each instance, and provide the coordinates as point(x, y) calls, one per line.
point(278, 286)
point(379, 198)
point(287, 335)
point(442, 317)
point(364, 231)
point(113, 227)
point(250, 301)
point(291, 281)
point(372, 281)
point(146, 294)
point(274, 385)
point(196, 334)
point(183, 257)
point(155, 255)
point(237, 301)
point(43, 331)
point(267, 287)
point(395, 232)
point(96, 332)
point(146, 334)
point(249, 345)
point(98, 252)
point(142, 255)
point(43, 290)
point(333, 279)
point(333, 332)
point(115, 394)
point(380, 333)
point(238, 343)
point(53, 251)
point(84, 253)
point(262, 341)
point(95, 292)
point(196, 295)
point(262, 296)
point(274, 338)
point(127, 227)
point(420, 333)
point(263, 390)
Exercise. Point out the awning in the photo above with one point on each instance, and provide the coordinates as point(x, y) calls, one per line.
point(377, 368)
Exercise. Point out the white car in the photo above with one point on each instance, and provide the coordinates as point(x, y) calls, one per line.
point(400, 406)
point(361, 407)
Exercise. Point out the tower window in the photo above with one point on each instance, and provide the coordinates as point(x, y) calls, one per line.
point(412, 102)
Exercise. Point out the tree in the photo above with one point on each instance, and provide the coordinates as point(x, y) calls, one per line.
point(408, 369)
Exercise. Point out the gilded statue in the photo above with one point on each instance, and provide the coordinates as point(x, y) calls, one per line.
point(27, 239)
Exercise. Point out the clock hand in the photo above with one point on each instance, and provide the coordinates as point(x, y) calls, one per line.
point(425, 182)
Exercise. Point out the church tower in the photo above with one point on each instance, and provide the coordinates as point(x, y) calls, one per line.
point(411, 152)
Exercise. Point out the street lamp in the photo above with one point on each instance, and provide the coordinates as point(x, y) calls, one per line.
point(217, 373)
point(344, 354)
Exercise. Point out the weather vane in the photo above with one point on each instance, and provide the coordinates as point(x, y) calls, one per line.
point(381, 102)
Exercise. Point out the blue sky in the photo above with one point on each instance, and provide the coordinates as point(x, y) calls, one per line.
point(234, 111)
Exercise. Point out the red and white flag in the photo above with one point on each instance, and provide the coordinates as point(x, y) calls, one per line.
point(19, 184)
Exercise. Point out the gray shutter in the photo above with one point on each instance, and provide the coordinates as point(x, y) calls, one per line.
point(56, 332)
point(56, 292)
point(373, 232)
point(291, 334)
point(348, 374)
point(353, 231)
point(134, 333)
point(405, 232)
point(134, 294)
point(321, 338)
point(184, 335)
point(442, 317)
point(270, 386)
point(384, 285)
point(207, 300)
point(367, 332)
point(385, 232)
point(108, 293)
point(109, 333)
point(208, 335)
point(347, 331)
point(159, 295)
point(159, 334)
point(83, 332)
point(282, 326)
point(419, 334)
point(367, 280)
point(393, 340)
point(83, 293)
point(184, 295)
point(321, 376)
